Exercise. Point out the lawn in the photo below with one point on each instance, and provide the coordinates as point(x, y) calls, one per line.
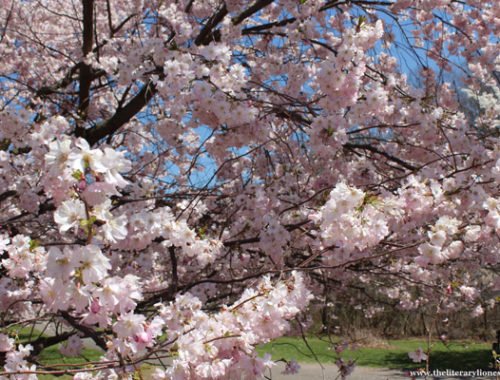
point(458, 355)
point(51, 355)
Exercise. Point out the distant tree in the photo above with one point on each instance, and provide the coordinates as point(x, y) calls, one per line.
point(482, 107)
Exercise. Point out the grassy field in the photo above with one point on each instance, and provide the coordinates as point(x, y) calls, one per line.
point(393, 354)
point(51, 355)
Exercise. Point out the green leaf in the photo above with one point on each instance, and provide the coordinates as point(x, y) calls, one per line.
point(202, 231)
point(87, 224)
point(77, 174)
point(34, 244)
point(361, 23)
point(370, 199)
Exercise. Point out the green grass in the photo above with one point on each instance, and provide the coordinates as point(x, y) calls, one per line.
point(51, 355)
point(394, 354)
point(457, 355)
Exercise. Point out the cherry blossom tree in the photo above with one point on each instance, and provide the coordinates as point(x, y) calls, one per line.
point(181, 180)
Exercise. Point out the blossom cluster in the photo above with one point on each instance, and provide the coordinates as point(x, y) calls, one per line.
point(220, 346)
point(351, 219)
point(434, 251)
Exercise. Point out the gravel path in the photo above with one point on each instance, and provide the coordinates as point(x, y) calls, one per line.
point(313, 372)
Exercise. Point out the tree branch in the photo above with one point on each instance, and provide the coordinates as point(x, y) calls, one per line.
point(257, 6)
point(122, 116)
point(43, 342)
point(7, 194)
point(382, 153)
point(85, 69)
point(99, 340)
point(205, 35)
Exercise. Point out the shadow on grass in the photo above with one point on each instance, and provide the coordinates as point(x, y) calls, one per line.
point(442, 360)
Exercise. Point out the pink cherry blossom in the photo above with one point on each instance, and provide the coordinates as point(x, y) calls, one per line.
point(291, 368)
point(70, 214)
point(418, 355)
point(92, 264)
point(6, 343)
point(72, 347)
